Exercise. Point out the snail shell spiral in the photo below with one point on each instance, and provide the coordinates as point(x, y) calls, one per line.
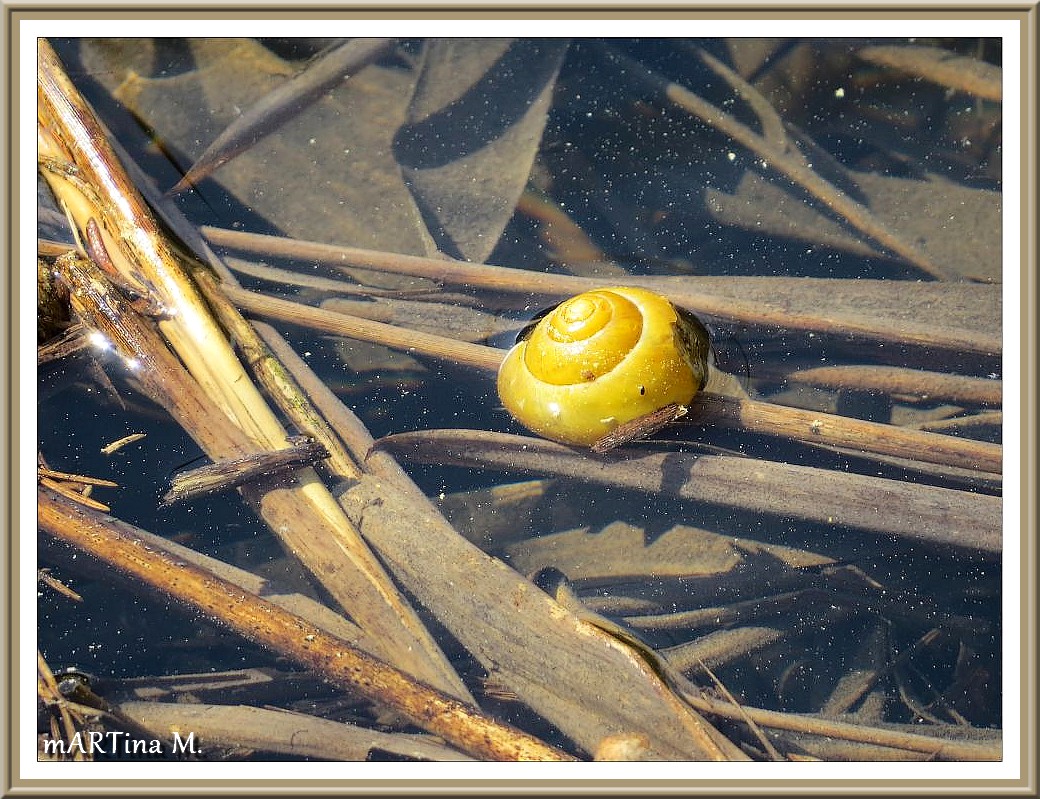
point(601, 359)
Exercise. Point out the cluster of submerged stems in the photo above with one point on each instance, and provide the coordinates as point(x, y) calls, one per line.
point(239, 390)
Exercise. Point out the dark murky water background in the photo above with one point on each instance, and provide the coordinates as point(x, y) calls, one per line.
point(643, 182)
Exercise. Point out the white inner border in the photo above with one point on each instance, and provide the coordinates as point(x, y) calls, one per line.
point(1010, 768)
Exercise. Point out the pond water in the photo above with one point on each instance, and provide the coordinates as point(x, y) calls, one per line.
point(586, 158)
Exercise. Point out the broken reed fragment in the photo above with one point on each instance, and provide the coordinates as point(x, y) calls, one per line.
point(233, 472)
point(43, 471)
point(76, 496)
point(76, 487)
point(640, 427)
point(118, 444)
point(840, 500)
point(44, 576)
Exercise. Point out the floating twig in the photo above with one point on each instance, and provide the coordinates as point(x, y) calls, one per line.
point(271, 729)
point(410, 341)
point(767, 745)
point(67, 491)
point(82, 479)
point(852, 434)
point(118, 444)
point(939, 748)
point(640, 428)
point(45, 577)
point(230, 473)
point(896, 380)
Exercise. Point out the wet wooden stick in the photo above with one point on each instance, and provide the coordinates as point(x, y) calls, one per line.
point(640, 428)
point(901, 381)
point(940, 66)
point(42, 471)
point(506, 279)
point(279, 382)
point(410, 341)
point(760, 417)
point(66, 491)
point(939, 748)
point(765, 743)
point(841, 431)
point(264, 623)
point(118, 444)
point(269, 729)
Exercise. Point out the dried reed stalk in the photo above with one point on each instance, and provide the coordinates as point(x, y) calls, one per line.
point(92, 186)
point(254, 618)
point(507, 280)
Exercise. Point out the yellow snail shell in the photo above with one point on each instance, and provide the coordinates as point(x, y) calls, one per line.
point(601, 359)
